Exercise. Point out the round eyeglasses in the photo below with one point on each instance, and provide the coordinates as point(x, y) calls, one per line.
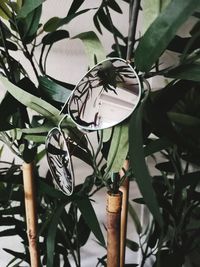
point(105, 96)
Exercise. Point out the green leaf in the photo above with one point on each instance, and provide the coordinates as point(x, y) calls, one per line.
point(6, 29)
point(8, 232)
point(138, 164)
point(37, 130)
point(184, 119)
point(78, 152)
point(83, 231)
point(151, 10)
point(132, 245)
point(6, 113)
point(9, 45)
point(28, 7)
point(135, 219)
point(56, 36)
point(10, 221)
point(40, 155)
point(29, 100)
point(52, 235)
point(16, 254)
point(12, 211)
point(157, 145)
point(53, 90)
point(75, 6)
point(40, 139)
point(5, 12)
point(165, 167)
point(90, 217)
point(189, 179)
point(54, 23)
point(118, 148)
point(162, 31)
point(107, 133)
point(44, 188)
point(115, 6)
point(102, 17)
point(92, 45)
point(31, 24)
point(186, 72)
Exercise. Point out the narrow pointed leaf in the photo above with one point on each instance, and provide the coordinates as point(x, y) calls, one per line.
point(185, 120)
point(132, 245)
point(157, 145)
point(52, 235)
point(28, 7)
point(151, 10)
point(54, 23)
point(115, 6)
point(18, 255)
point(75, 6)
point(186, 72)
point(29, 100)
point(55, 36)
point(135, 219)
point(138, 164)
point(32, 21)
point(53, 90)
point(118, 148)
point(90, 218)
point(5, 12)
point(162, 31)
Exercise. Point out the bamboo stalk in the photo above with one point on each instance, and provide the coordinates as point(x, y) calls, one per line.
point(124, 188)
point(31, 215)
point(113, 229)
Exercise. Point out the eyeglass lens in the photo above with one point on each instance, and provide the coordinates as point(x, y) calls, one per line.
point(105, 96)
point(59, 161)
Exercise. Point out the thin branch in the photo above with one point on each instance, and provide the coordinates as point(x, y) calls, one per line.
point(134, 11)
point(3, 38)
point(113, 31)
point(30, 58)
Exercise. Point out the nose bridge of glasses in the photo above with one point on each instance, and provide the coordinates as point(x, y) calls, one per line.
point(61, 121)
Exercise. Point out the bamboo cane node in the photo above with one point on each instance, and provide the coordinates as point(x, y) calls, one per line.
point(114, 202)
point(31, 234)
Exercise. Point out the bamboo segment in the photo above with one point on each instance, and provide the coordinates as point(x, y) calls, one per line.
point(124, 188)
point(113, 229)
point(31, 216)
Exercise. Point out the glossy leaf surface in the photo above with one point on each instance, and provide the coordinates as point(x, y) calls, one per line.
point(161, 32)
point(138, 164)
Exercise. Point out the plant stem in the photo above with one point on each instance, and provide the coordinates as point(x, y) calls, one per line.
point(134, 11)
point(115, 179)
point(77, 236)
point(26, 52)
point(30, 58)
point(113, 31)
point(3, 38)
point(68, 241)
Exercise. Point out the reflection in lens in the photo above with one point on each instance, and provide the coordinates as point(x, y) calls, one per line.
point(59, 161)
point(106, 95)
